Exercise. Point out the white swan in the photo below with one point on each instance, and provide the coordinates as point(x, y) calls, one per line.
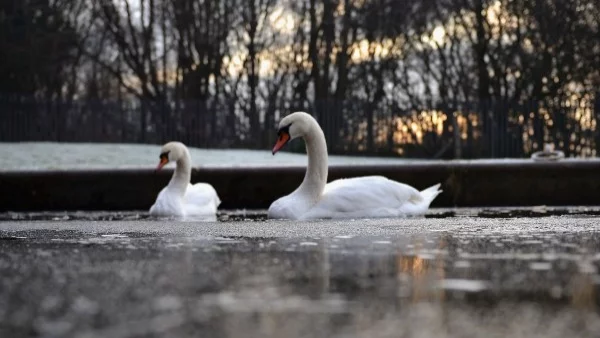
point(369, 196)
point(179, 197)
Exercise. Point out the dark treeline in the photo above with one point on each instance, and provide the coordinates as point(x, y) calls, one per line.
point(430, 78)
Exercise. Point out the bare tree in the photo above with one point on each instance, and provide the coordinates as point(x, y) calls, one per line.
point(201, 32)
point(257, 37)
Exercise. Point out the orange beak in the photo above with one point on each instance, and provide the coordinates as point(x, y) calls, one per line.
point(281, 141)
point(163, 161)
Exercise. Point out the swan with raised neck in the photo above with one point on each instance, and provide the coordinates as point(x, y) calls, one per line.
point(368, 196)
point(303, 125)
point(177, 152)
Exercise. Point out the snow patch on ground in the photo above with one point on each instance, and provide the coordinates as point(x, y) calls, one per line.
point(65, 156)
point(61, 156)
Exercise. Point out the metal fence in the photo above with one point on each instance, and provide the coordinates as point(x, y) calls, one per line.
point(467, 130)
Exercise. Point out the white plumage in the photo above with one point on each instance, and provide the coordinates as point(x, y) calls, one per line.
point(179, 197)
point(200, 199)
point(360, 197)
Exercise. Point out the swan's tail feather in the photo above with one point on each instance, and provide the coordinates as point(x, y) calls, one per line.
point(430, 193)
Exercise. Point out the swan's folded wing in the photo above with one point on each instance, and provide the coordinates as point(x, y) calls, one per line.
point(201, 196)
point(167, 204)
point(369, 196)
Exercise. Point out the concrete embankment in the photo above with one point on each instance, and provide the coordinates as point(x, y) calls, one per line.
point(465, 184)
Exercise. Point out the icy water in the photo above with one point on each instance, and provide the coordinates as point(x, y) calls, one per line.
point(453, 273)
point(261, 215)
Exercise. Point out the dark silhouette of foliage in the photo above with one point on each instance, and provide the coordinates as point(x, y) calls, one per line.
point(440, 78)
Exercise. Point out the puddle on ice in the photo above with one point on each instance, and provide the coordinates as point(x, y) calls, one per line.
point(462, 264)
point(540, 266)
point(509, 256)
point(102, 239)
point(344, 236)
point(426, 256)
point(114, 236)
point(550, 256)
point(236, 302)
point(167, 303)
point(369, 280)
point(174, 245)
point(587, 267)
point(466, 285)
point(227, 240)
point(11, 238)
point(532, 242)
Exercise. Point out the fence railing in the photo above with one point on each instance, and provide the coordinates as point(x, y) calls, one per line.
point(468, 130)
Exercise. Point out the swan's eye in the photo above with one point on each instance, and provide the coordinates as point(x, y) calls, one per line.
point(164, 159)
point(284, 130)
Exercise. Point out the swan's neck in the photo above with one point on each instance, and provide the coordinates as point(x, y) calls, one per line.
point(315, 178)
point(181, 176)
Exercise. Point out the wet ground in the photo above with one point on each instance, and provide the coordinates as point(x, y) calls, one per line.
point(261, 215)
point(453, 273)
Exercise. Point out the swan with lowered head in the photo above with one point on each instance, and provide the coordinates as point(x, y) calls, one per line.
point(179, 197)
point(368, 196)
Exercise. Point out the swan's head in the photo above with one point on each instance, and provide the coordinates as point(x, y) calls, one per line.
point(170, 152)
point(295, 125)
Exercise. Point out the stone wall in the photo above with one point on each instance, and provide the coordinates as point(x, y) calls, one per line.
point(465, 184)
